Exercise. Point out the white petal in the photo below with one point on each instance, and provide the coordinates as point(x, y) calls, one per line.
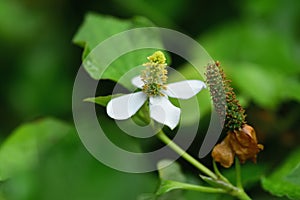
point(184, 89)
point(137, 82)
point(125, 106)
point(164, 112)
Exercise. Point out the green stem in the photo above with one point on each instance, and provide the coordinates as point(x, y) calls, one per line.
point(187, 186)
point(218, 173)
point(162, 136)
point(238, 191)
point(242, 195)
point(238, 173)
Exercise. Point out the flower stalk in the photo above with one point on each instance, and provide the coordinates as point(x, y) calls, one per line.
point(238, 173)
point(219, 182)
point(164, 138)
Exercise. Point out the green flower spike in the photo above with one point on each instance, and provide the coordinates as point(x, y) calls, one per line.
point(223, 95)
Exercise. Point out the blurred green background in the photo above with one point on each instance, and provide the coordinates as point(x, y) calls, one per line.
point(257, 42)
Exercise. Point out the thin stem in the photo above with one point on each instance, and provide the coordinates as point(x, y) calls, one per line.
point(242, 195)
point(218, 173)
point(238, 191)
point(238, 173)
point(163, 137)
point(187, 186)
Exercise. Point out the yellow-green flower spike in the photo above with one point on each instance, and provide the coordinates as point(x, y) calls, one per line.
point(158, 57)
point(155, 74)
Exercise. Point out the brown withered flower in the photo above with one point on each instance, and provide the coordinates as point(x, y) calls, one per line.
point(241, 143)
point(223, 152)
point(241, 138)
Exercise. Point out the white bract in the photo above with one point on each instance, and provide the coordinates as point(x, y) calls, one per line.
point(152, 82)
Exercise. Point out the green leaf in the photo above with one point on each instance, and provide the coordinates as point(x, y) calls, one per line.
point(285, 180)
point(171, 172)
point(21, 150)
point(266, 87)
point(113, 62)
point(102, 100)
point(69, 171)
point(251, 63)
point(118, 136)
point(167, 174)
point(96, 28)
point(258, 44)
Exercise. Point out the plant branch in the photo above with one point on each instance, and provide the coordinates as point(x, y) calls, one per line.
point(216, 177)
point(238, 173)
point(164, 138)
point(218, 173)
point(187, 186)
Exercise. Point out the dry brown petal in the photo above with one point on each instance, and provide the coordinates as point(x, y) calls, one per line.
point(223, 153)
point(244, 143)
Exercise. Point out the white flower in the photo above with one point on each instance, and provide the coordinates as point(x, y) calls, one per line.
point(152, 84)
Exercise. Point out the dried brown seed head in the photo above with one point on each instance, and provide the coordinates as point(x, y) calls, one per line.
point(242, 143)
